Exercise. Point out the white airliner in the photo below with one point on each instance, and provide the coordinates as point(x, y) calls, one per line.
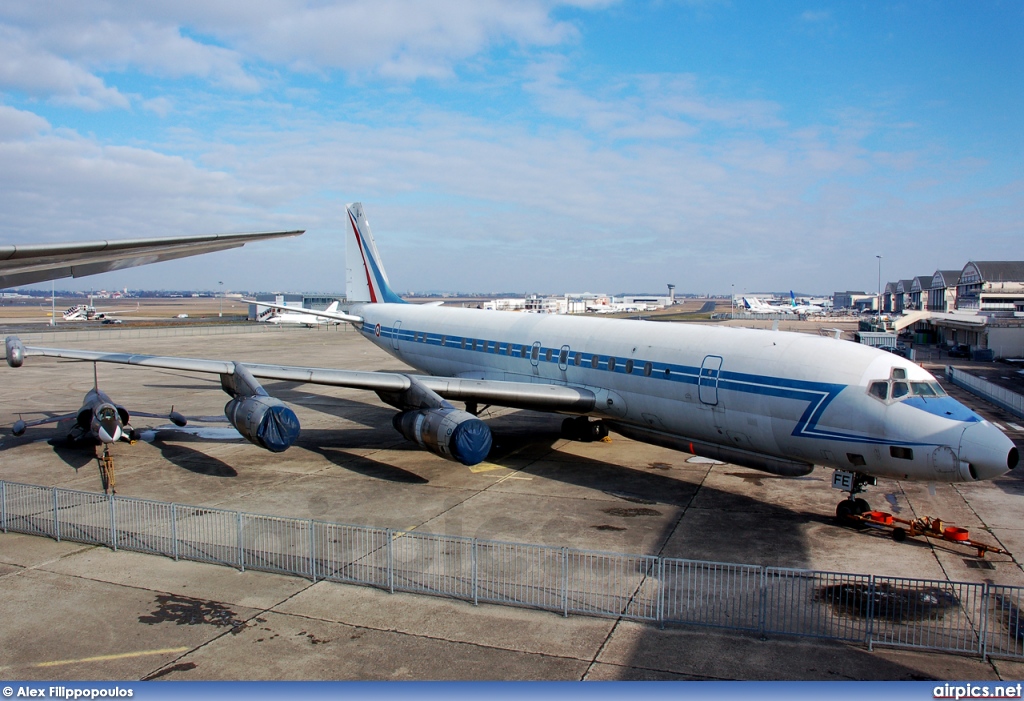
point(87, 312)
point(803, 308)
point(293, 315)
point(774, 401)
point(756, 305)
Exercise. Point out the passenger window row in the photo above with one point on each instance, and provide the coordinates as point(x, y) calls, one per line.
point(510, 349)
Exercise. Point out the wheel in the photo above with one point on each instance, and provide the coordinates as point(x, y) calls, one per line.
point(597, 430)
point(899, 535)
point(570, 428)
point(861, 506)
point(844, 510)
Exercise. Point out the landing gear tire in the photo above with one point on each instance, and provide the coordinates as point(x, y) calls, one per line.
point(899, 534)
point(848, 509)
point(580, 428)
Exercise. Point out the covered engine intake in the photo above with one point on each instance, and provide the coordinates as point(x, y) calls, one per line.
point(260, 418)
point(450, 433)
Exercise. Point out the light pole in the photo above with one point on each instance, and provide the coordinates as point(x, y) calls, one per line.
point(732, 299)
point(879, 294)
point(220, 309)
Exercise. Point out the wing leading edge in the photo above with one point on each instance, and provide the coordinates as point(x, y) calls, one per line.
point(520, 395)
point(26, 264)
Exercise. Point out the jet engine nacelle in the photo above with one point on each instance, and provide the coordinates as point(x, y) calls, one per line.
point(15, 351)
point(264, 421)
point(451, 433)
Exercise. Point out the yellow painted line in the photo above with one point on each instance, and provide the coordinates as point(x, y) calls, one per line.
point(119, 656)
point(398, 534)
point(485, 467)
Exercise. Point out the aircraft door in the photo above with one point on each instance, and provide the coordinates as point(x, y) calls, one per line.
point(563, 358)
point(535, 354)
point(707, 383)
point(395, 331)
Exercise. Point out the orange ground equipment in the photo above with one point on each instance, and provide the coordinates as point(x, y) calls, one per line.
point(926, 527)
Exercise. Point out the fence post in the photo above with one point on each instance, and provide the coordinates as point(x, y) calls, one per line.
point(476, 596)
point(56, 523)
point(113, 524)
point(174, 530)
point(871, 613)
point(391, 560)
point(238, 538)
point(312, 551)
point(565, 582)
point(661, 592)
point(983, 634)
point(3, 504)
point(762, 604)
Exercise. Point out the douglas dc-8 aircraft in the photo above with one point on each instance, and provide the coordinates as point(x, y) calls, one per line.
point(773, 401)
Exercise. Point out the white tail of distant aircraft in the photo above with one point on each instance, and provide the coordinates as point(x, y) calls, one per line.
point(768, 400)
point(803, 308)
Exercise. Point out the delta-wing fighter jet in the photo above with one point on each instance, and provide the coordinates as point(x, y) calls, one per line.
point(768, 400)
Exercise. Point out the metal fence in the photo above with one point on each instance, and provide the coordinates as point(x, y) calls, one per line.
point(61, 334)
point(962, 617)
point(1000, 396)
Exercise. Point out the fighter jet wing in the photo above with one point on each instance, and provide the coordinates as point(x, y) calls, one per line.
point(25, 264)
point(522, 395)
point(47, 420)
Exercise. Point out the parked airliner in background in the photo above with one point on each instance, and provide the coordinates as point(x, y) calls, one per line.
point(803, 308)
point(756, 305)
point(87, 312)
point(292, 315)
point(769, 400)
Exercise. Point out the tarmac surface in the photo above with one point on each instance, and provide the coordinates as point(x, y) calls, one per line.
point(72, 611)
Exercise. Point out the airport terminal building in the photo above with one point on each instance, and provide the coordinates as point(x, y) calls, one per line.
point(980, 306)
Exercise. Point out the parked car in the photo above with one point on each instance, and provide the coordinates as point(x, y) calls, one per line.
point(960, 351)
point(896, 350)
point(113, 321)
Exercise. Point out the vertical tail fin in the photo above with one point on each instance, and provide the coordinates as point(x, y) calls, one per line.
point(365, 279)
point(792, 299)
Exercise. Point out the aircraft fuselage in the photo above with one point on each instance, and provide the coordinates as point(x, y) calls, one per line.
point(789, 400)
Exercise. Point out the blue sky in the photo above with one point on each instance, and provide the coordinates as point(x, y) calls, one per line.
point(531, 146)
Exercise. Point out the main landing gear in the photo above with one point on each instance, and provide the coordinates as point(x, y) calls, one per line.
point(854, 483)
point(580, 428)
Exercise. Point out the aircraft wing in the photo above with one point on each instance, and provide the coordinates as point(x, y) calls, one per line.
point(523, 395)
point(340, 316)
point(49, 420)
point(25, 264)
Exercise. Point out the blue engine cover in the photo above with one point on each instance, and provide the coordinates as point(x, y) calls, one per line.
point(264, 421)
point(470, 442)
point(450, 433)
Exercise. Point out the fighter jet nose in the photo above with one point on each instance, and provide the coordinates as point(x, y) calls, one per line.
point(986, 452)
point(109, 434)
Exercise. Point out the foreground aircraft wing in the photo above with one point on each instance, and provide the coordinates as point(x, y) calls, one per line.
point(542, 397)
point(25, 264)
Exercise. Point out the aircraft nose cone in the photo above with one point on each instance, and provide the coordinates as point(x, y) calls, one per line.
point(109, 432)
point(986, 452)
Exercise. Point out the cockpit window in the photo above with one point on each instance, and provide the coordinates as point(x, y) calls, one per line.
point(923, 389)
point(899, 373)
point(879, 389)
point(106, 413)
point(900, 389)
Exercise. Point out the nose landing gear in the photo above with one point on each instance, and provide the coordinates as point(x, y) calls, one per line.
point(854, 483)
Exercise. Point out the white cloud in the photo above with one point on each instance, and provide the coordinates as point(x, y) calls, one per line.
point(17, 124)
